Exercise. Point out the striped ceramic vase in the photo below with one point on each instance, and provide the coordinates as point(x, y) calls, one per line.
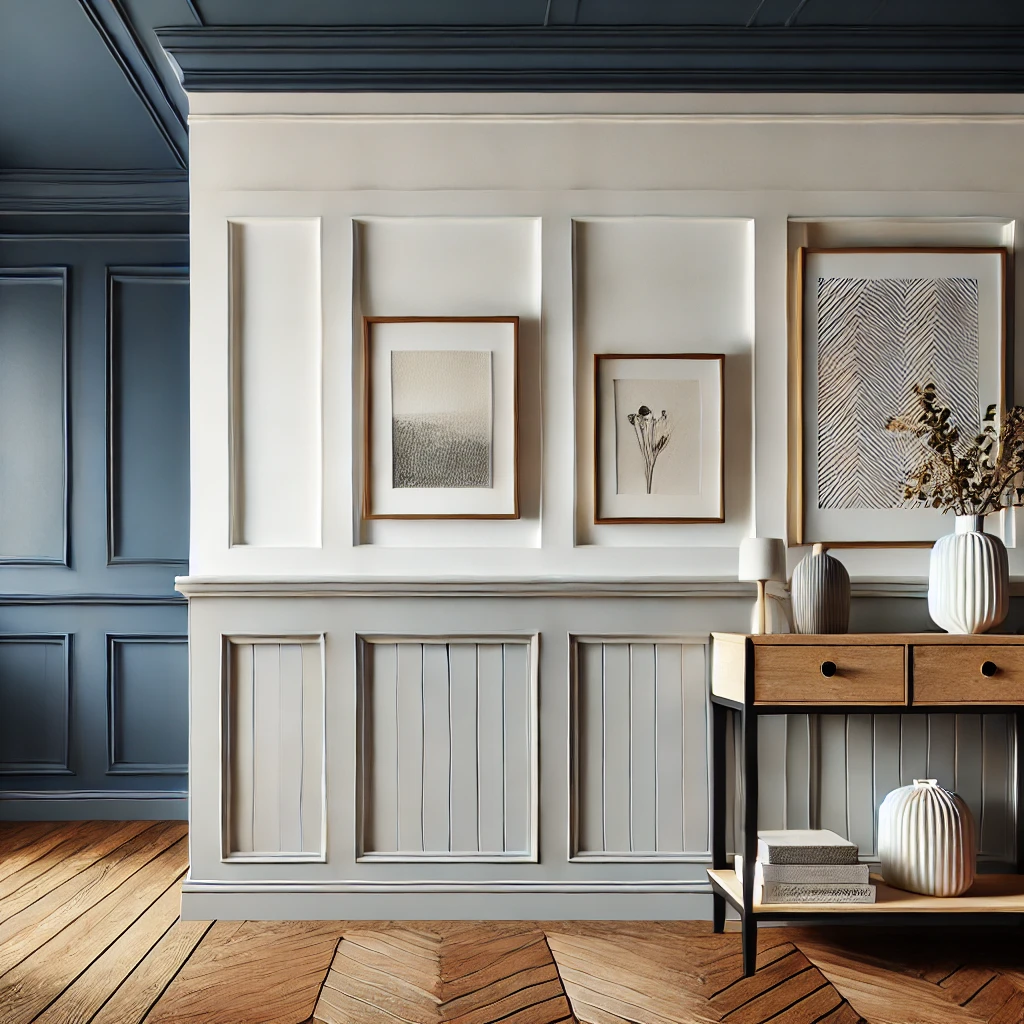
point(968, 579)
point(926, 840)
point(821, 594)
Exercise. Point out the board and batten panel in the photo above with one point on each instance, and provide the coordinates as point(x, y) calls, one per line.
point(147, 704)
point(447, 752)
point(35, 699)
point(639, 746)
point(33, 417)
point(147, 415)
point(273, 749)
point(275, 400)
point(834, 771)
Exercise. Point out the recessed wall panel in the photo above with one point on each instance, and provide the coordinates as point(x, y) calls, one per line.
point(34, 704)
point(33, 456)
point(447, 752)
point(273, 748)
point(639, 750)
point(275, 382)
point(148, 387)
point(147, 698)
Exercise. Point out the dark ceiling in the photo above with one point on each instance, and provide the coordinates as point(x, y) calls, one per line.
point(85, 84)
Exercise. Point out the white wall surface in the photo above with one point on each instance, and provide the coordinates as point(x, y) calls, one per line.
point(606, 222)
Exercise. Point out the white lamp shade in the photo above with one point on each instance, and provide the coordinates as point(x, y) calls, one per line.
point(762, 558)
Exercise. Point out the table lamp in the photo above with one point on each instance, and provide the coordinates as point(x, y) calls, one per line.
point(762, 559)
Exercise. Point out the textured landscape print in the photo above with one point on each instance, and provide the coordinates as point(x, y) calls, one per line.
point(657, 437)
point(441, 423)
point(877, 338)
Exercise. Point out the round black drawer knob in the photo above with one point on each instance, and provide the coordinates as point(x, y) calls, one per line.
point(828, 669)
point(989, 668)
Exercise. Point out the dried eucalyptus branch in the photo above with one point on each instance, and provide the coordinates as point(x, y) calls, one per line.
point(970, 477)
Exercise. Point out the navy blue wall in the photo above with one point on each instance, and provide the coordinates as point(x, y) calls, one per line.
point(93, 524)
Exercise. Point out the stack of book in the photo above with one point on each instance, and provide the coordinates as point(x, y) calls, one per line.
point(808, 866)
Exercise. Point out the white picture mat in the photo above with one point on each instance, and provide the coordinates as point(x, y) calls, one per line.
point(707, 503)
point(433, 336)
point(898, 525)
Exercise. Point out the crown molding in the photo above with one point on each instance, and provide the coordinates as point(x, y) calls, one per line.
point(597, 58)
point(77, 191)
point(116, 31)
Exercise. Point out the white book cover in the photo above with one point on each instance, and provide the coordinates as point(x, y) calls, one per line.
point(846, 874)
point(805, 846)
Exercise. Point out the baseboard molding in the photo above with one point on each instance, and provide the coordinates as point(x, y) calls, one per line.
point(439, 901)
point(85, 804)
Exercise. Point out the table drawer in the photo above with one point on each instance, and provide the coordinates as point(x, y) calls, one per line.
point(968, 674)
point(826, 674)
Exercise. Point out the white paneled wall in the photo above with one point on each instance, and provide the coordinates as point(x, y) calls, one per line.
point(275, 381)
point(274, 749)
point(639, 732)
point(448, 749)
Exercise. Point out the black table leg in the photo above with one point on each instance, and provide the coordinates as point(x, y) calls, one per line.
point(749, 767)
point(1019, 759)
point(719, 724)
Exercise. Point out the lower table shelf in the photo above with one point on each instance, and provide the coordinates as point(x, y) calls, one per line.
point(990, 894)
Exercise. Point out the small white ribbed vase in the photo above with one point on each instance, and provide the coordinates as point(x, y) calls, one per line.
point(968, 579)
point(926, 840)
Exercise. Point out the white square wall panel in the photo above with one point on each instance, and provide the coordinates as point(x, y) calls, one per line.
point(276, 329)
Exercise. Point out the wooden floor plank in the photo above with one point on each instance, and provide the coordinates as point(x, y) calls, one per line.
point(32, 927)
point(131, 1001)
point(80, 1001)
point(80, 850)
point(269, 972)
point(39, 978)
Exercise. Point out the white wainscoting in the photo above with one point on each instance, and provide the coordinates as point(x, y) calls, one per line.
point(448, 749)
point(639, 739)
point(273, 749)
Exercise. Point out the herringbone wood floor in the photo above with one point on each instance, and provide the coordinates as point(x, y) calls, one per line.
point(89, 932)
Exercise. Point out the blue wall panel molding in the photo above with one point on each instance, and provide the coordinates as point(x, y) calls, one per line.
point(598, 58)
point(147, 416)
point(154, 720)
point(93, 192)
point(119, 36)
point(34, 482)
point(35, 704)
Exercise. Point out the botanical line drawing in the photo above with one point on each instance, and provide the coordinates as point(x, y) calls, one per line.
point(652, 434)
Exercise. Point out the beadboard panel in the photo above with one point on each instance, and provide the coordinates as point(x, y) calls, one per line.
point(834, 771)
point(33, 417)
point(275, 423)
point(447, 753)
point(639, 742)
point(273, 749)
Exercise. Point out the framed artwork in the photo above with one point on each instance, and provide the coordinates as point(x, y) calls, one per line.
point(658, 429)
point(873, 323)
point(440, 406)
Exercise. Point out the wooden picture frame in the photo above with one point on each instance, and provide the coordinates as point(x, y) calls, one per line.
point(894, 526)
point(424, 492)
point(705, 504)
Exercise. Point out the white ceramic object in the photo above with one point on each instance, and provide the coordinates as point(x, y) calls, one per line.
point(926, 840)
point(968, 579)
point(821, 594)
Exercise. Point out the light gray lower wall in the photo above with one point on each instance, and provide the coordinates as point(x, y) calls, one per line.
point(542, 753)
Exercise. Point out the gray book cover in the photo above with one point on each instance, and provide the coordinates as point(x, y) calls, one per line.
point(846, 874)
point(812, 892)
point(805, 846)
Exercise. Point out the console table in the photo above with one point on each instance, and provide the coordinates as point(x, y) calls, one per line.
point(871, 673)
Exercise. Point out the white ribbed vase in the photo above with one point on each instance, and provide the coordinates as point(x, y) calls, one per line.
point(968, 579)
point(926, 840)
